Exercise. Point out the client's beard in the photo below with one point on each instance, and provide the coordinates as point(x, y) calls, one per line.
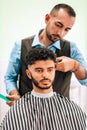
point(37, 85)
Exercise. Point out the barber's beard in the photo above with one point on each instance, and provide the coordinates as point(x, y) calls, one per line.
point(52, 36)
point(36, 84)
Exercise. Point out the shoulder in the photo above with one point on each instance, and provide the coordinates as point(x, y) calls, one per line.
point(17, 44)
point(28, 38)
point(73, 44)
point(70, 105)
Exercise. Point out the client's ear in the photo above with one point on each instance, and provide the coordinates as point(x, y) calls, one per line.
point(28, 73)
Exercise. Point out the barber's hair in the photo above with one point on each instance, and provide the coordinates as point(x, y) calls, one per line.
point(36, 54)
point(66, 7)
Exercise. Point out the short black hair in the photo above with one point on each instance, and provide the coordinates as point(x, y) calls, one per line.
point(66, 7)
point(36, 54)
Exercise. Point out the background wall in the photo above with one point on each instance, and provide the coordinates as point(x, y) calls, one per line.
point(22, 18)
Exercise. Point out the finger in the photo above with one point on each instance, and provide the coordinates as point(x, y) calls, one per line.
point(10, 103)
point(58, 66)
point(10, 97)
point(59, 59)
point(14, 97)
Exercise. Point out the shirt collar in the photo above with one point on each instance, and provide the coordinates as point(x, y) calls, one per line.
point(41, 95)
point(37, 43)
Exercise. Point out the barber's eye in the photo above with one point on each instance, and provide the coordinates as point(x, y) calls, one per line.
point(67, 30)
point(58, 25)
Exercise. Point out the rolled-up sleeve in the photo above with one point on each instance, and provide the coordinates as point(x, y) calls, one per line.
point(77, 55)
point(13, 69)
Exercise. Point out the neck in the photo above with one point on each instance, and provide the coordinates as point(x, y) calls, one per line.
point(42, 91)
point(43, 39)
point(42, 95)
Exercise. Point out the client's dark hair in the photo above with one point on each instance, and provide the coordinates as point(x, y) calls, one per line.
point(36, 54)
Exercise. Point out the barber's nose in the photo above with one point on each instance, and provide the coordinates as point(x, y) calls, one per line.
point(61, 33)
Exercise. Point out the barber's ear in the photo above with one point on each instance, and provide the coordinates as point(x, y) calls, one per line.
point(28, 73)
point(47, 18)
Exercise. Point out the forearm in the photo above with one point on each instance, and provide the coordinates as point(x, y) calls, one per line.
point(10, 85)
point(78, 56)
point(67, 64)
point(79, 72)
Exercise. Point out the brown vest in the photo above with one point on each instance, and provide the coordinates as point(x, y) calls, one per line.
point(62, 80)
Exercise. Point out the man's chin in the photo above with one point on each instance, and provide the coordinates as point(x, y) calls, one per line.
point(54, 40)
point(44, 87)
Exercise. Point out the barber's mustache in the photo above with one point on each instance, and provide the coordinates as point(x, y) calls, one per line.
point(57, 35)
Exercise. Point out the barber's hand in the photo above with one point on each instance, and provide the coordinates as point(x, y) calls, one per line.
point(65, 64)
point(13, 99)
